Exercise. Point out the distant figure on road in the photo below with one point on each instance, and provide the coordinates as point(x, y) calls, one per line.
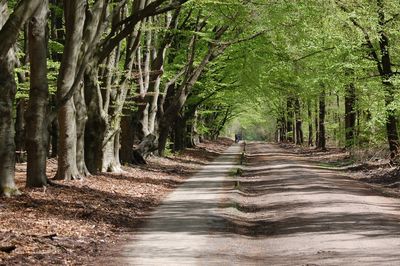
point(237, 138)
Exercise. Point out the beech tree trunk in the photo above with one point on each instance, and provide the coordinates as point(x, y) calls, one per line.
point(299, 129)
point(81, 118)
point(386, 74)
point(37, 134)
point(9, 30)
point(110, 154)
point(391, 125)
point(316, 122)
point(310, 124)
point(350, 115)
point(194, 135)
point(180, 133)
point(7, 151)
point(289, 120)
point(321, 123)
point(127, 136)
point(96, 125)
point(74, 22)
point(284, 128)
point(20, 155)
point(53, 128)
point(163, 137)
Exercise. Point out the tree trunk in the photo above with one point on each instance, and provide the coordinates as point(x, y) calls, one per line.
point(163, 124)
point(316, 121)
point(144, 149)
point(54, 138)
point(289, 120)
point(194, 135)
point(7, 96)
point(310, 124)
point(74, 11)
point(299, 129)
point(81, 119)
point(37, 134)
point(284, 129)
point(162, 138)
point(386, 74)
point(111, 161)
point(7, 151)
point(20, 155)
point(391, 125)
point(350, 115)
point(321, 124)
point(127, 136)
point(110, 154)
point(179, 133)
point(95, 129)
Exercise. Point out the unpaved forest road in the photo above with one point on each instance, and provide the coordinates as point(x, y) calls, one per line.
point(283, 211)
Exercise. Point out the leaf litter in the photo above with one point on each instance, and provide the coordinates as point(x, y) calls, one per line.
point(74, 222)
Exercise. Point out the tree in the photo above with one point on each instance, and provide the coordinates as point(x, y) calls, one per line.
point(9, 30)
point(38, 106)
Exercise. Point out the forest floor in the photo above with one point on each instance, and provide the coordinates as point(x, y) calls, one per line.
point(368, 166)
point(73, 222)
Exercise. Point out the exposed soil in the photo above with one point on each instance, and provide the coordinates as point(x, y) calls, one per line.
point(73, 222)
point(372, 166)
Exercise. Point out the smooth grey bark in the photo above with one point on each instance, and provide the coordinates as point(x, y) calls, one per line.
point(192, 133)
point(144, 149)
point(81, 118)
point(157, 70)
point(7, 145)
point(20, 155)
point(171, 111)
point(9, 30)
point(111, 102)
point(103, 126)
point(37, 135)
point(11, 25)
point(82, 36)
point(143, 64)
point(96, 124)
point(74, 11)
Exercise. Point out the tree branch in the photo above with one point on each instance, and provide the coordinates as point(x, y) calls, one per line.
point(313, 53)
point(9, 32)
point(366, 36)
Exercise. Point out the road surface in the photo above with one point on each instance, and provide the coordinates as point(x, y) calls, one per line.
point(282, 211)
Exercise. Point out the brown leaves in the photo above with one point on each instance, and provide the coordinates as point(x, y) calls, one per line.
point(73, 222)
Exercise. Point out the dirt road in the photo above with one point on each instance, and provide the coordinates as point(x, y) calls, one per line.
point(282, 211)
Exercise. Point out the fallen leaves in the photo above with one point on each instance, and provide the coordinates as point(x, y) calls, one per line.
point(73, 222)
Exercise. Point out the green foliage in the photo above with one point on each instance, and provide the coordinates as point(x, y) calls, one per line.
point(55, 47)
